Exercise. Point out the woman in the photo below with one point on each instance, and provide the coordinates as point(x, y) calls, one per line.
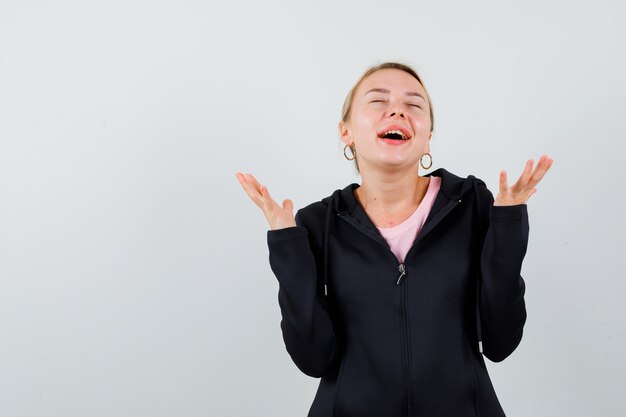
point(392, 291)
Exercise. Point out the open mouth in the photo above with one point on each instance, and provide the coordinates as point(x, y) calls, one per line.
point(394, 135)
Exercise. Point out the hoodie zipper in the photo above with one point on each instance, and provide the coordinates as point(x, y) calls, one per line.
point(402, 270)
point(408, 380)
point(403, 297)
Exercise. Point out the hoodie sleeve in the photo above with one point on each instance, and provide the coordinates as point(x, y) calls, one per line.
point(306, 325)
point(502, 306)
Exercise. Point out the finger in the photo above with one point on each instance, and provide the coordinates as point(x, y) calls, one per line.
point(253, 191)
point(267, 198)
point(538, 172)
point(264, 192)
point(522, 182)
point(240, 178)
point(249, 189)
point(526, 174)
point(288, 205)
point(504, 187)
point(244, 180)
point(253, 181)
point(264, 195)
point(254, 184)
point(547, 163)
point(542, 167)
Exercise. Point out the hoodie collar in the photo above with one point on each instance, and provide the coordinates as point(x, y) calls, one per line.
point(452, 188)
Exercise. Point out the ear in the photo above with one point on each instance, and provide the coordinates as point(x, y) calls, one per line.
point(344, 132)
point(427, 149)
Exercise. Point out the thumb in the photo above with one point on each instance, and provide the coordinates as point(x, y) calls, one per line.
point(288, 205)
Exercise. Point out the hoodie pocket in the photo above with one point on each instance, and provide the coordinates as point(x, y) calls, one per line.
point(368, 388)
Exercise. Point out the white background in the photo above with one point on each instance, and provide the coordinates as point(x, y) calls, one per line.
point(134, 273)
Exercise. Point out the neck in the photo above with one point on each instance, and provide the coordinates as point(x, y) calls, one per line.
point(391, 191)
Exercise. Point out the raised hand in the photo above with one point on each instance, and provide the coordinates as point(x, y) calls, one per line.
point(278, 217)
point(524, 187)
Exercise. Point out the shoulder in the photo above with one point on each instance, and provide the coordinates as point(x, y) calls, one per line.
point(481, 187)
point(455, 186)
point(482, 195)
point(313, 216)
point(340, 200)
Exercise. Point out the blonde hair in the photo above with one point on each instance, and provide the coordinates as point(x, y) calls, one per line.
point(347, 105)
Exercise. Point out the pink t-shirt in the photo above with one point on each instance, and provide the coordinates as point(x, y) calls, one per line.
point(401, 236)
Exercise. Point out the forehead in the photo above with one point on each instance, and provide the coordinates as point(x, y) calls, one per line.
point(394, 80)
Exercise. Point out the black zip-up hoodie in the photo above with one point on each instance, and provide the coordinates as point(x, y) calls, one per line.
point(403, 339)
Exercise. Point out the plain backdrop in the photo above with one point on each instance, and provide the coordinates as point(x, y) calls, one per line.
point(134, 272)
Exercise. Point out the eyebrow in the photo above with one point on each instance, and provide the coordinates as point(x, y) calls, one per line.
point(383, 90)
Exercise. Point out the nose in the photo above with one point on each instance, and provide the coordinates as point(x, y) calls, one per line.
point(393, 113)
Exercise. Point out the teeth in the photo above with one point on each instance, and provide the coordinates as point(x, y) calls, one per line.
point(399, 132)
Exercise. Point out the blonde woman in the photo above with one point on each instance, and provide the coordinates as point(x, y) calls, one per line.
point(393, 290)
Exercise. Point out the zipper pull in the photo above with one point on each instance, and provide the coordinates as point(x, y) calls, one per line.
point(402, 270)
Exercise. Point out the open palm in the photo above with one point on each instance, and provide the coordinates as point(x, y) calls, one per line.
point(278, 217)
point(524, 187)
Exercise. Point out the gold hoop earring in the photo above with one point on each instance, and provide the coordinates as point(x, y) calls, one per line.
point(422, 162)
point(351, 149)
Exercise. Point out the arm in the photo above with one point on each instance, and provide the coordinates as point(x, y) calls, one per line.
point(306, 326)
point(502, 307)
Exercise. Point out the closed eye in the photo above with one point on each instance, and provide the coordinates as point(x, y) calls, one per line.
point(382, 101)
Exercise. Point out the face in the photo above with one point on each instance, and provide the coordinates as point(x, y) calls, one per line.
point(403, 105)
